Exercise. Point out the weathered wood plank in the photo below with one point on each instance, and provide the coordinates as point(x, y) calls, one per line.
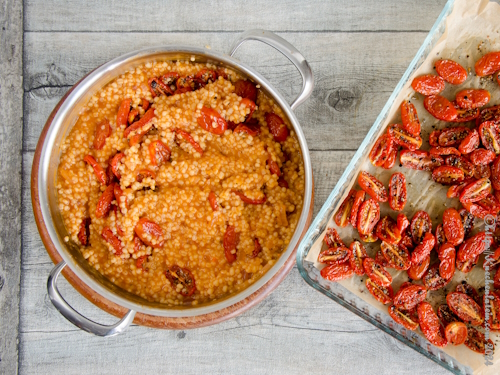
point(351, 88)
point(11, 109)
point(286, 15)
point(295, 330)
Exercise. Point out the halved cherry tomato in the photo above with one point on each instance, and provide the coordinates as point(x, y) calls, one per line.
point(246, 89)
point(108, 236)
point(149, 232)
point(417, 271)
point(84, 232)
point(465, 308)
point(490, 203)
point(402, 223)
point(368, 216)
point(114, 164)
point(104, 203)
point(429, 324)
point(494, 315)
point(481, 156)
point(403, 138)
point(472, 98)
point(338, 254)
point(456, 333)
point(243, 128)
point(476, 210)
point(409, 118)
point(181, 279)
point(467, 265)
point(205, 76)
point(391, 160)
point(343, 214)
point(473, 246)
point(477, 342)
point(489, 114)
point(133, 116)
point(337, 272)
point(467, 221)
point(138, 125)
point(490, 136)
point(433, 280)
point(251, 105)
point(451, 71)
point(488, 64)
point(118, 193)
point(256, 248)
point(277, 127)
point(444, 151)
point(145, 104)
point(274, 168)
point(464, 287)
point(211, 121)
point(403, 318)
point(381, 151)
point(424, 249)
point(377, 272)
point(248, 200)
point(462, 163)
point(380, 259)
point(482, 171)
point(357, 254)
point(446, 255)
point(387, 230)
point(446, 315)
point(139, 263)
point(453, 136)
point(372, 186)
point(99, 171)
point(102, 132)
point(212, 199)
point(440, 236)
point(123, 111)
point(282, 183)
point(420, 224)
point(495, 173)
point(382, 294)
point(397, 191)
point(158, 87)
point(230, 242)
point(476, 191)
point(397, 255)
point(370, 237)
point(434, 137)
point(184, 84)
point(465, 115)
point(145, 173)
point(359, 197)
point(447, 175)
point(159, 152)
point(455, 190)
point(428, 84)
point(332, 238)
point(408, 298)
point(190, 139)
point(440, 107)
point(420, 160)
point(453, 228)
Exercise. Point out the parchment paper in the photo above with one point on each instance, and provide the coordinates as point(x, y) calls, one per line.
point(472, 29)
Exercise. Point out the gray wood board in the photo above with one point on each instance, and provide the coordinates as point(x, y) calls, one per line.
point(11, 114)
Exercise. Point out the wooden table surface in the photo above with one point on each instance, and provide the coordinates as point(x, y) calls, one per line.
point(358, 51)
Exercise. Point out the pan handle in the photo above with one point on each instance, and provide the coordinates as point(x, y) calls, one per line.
point(286, 49)
point(75, 317)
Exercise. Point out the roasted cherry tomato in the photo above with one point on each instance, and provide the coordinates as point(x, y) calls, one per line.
point(370, 237)
point(114, 164)
point(211, 121)
point(274, 168)
point(482, 171)
point(387, 231)
point(282, 183)
point(338, 254)
point(489, 114)
point(391, 160)
point(230, 242)
point(186, 136)
point(181, 279)
point(381, 151)
point(467, 221)
point(138, 126)
point(332, 238)
point(490, 204)
point(368, 216)
point(337, 272)
point(444, 151)
point(377, 272)
point(440, 236)
point(84, 232)
point(120, 197)
point(277, 127)
point(420, 224)
point(149, 232)
point(429, 324)
point(495, 173)
point(185, 84)
point(447, 175)
point(104, 203)
point(476, 191)
point(451, 71)
point(372, 186)
point(250, 130)
point(212, 199)
point(446, 255)
point(359, 198)
point(453, 227)
point(403, 138)
point(108, 236)
point(246, 89)
point(446, 315)
point(99, 171)
point(248, 200)
point(357, 254)
point(409, 118)
point(423, 249)
point(490, 136)
point(465, 115)
point(158, 87)
point(428, 84)
point(465, 308)
point(467, 265)
point(488, 64)
point(494, 315)
point(481, 156)
point(433, 280)
point(420, 160)
point(456, 333)
point(403, 317)
point(380, 259)
point(402, 222)
point(472, 98)
point(397, 255)
point(440, 107)
point(159, 152)
point(397, 191)
point(408, 298)
point(123, 111)
point(102, 132)
point(145, 173)
point(416, 272)
point(343, 215)
point(205, 76)
point(473, 246)
point(461, 162)
point(468, 289)
point(453, 136)
point(477, 342)
point(434, 137)
point(382, 294)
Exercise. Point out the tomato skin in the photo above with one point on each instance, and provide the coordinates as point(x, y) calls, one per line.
point(428, 84)
point(433, 280)
point(205, 76)
point(391, 159)
point(446, 255)
point(434, 137)
point(481, 156)
point(332, 238)
point(402, 223)
point(453, 136)
point(476, 191)
point(84, 232)
point(403, 318)
point(368, 216)
point(409, 118)
point(382, 294)
point(489, 114)
point(408, 298)
point(467, 221)
point(99, 171)
point(343, 215)
point(139, 124)
point(104, 203)
point(397, 191)
point(102, 132)
point(451, 71)
point(256, 249)
point(230, 242)
point(420, 224)
point(387, 230)
point(377, 272)
point(359, 197)
point(108, 236)
point(446, 315)
point(465, 308)
point(416, 272)
point(473, 246)
point(277, 127)
point(420, 160)
point(381, 150)
point(339, 254)
point(468, 289)
point(145, 173)
point(444, 151)
point(380, 259)
point(248, 200)
point(396, 255)
point(447, 175)
point(490, 136)
point(495, 173)
point(488, 64)
point(465, 115)
point(466, 266)
point(440, 237)
point(453, 227)
point(190, 139)
point(274, 168)
point(177, 275)
point(208, 117)
point(246, 89)
point(149, 232)
point(476, 341)
point(424, 249)
point(403, 138)
point(472, 98)
point(429, 324)
point(372, 186)
point(159, 152)
point(357, 253)
point(114, 164)
point(243, 128)
point(337, 272)
point(123, 111)
point(212, 199)
point(456, 333)
point(440, 107)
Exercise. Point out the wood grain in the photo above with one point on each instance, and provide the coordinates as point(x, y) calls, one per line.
point(11, 109)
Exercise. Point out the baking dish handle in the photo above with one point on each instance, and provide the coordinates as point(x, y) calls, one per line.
point(286, 49)
point(76, 318)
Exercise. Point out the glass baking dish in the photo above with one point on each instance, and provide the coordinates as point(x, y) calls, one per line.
point(336, 291)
